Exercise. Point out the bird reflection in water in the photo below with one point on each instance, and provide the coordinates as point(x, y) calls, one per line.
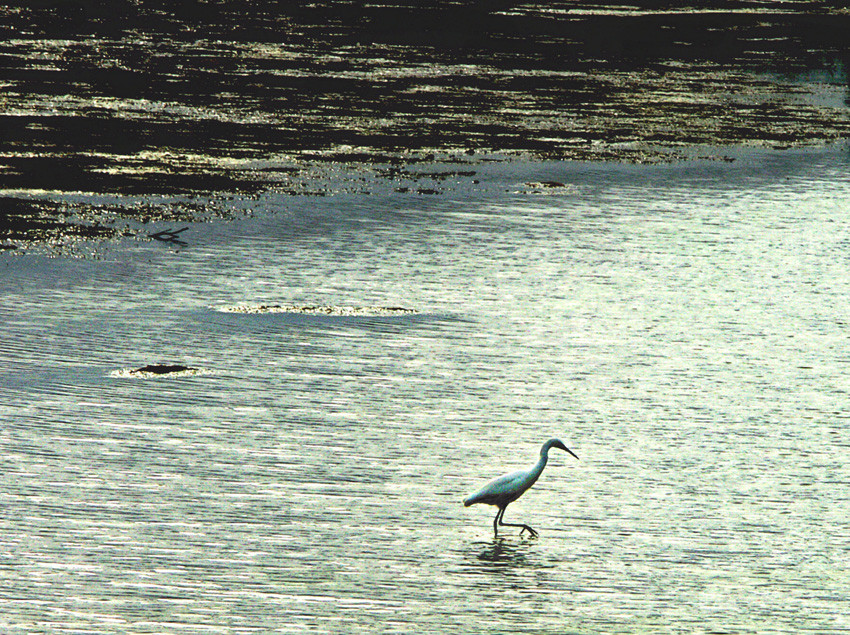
point(503, 553)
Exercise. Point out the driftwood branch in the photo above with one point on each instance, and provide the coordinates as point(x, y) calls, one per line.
point(170, 236)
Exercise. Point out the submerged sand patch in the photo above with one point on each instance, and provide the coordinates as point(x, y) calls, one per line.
point(151, 371)
point(342, 311)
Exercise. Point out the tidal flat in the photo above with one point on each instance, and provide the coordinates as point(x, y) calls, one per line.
point(232, 98)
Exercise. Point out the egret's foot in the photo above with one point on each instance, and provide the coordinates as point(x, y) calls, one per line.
point(530, 531)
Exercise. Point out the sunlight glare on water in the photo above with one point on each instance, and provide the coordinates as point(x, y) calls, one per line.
point(682, 328)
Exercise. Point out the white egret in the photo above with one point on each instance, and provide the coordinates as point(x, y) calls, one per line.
point(504, 490)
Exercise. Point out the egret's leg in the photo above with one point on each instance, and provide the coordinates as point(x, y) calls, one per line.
point(497, 520)
point(500, 518)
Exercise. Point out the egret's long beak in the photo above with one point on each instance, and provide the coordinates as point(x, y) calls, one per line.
point(560, 445)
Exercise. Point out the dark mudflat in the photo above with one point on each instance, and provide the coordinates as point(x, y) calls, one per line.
point(233, 97)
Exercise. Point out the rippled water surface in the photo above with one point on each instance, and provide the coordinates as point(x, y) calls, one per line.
point(684, 329)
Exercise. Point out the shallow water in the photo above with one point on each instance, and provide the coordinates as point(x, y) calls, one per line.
point(682, 328)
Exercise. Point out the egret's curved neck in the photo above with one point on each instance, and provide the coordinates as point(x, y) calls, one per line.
point(541, 463)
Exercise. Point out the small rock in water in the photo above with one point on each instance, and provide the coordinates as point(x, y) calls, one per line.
point(162, 369)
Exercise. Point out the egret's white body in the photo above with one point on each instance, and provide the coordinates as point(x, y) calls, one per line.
point(504, 490)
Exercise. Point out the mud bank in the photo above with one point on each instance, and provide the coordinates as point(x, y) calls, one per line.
point(238, 97)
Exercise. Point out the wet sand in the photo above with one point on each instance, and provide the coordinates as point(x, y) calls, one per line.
point(169, 114)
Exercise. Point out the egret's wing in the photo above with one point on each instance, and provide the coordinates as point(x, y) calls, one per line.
point(498, 487)
point(506, 483)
